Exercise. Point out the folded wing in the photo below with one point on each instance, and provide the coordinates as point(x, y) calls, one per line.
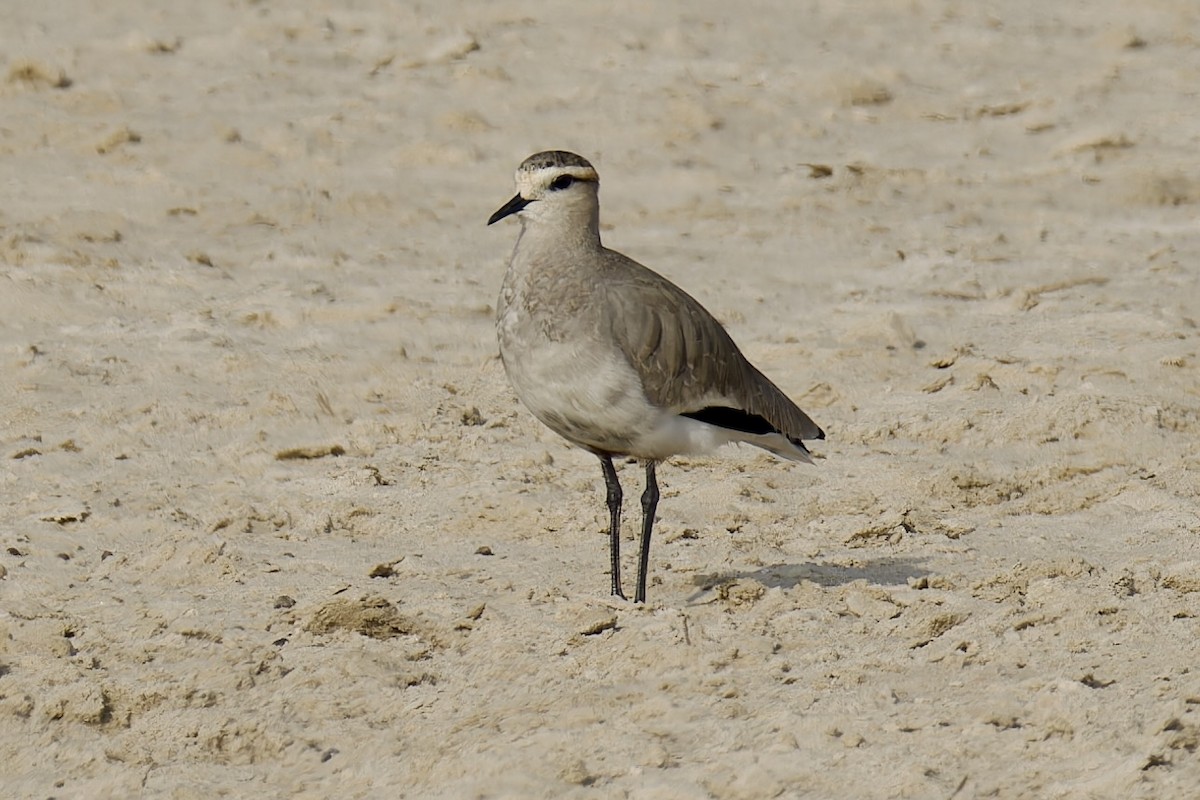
point(688, 363)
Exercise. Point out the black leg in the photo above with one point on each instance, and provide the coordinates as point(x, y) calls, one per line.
point(649, 504)
point(613, 487)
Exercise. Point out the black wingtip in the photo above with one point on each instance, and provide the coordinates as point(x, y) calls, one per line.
point(799, 443)
point(738, 420)
point(732, 418)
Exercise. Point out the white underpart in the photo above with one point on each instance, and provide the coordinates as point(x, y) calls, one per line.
point(587, 394)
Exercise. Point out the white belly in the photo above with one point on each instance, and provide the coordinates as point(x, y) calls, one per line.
point(591, 396)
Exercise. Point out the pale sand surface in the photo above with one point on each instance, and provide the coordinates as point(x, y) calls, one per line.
point(964, 236)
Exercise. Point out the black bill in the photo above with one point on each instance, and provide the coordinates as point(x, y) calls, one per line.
point(511, 207)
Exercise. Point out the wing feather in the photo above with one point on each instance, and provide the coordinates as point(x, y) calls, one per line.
point(686, 360)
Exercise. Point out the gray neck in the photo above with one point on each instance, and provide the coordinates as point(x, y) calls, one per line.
point(580, 231)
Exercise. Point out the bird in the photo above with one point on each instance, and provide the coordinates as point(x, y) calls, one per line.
point(617, 359)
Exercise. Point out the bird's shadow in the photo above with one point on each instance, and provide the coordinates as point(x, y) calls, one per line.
point(878, 572)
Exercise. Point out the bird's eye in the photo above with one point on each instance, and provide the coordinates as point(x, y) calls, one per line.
point(561, 182)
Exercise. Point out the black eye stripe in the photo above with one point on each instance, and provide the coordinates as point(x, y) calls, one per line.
point(561, 182)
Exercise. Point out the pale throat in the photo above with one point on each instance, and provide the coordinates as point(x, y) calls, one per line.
point(579, 225)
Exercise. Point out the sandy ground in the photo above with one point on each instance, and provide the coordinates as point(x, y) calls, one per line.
point(257, 444)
